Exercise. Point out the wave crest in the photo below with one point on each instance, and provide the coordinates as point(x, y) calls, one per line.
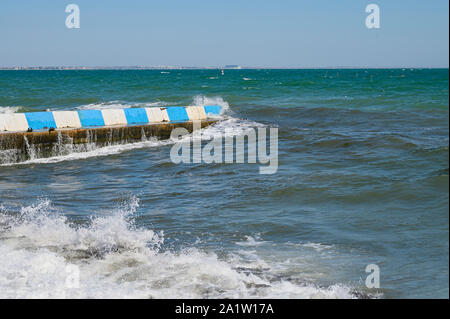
point(116, 259)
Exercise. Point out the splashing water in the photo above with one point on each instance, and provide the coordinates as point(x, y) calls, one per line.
point(204, 100)
point(119, 105)
point(117, 259)
point(65, 150)
point(9, 109)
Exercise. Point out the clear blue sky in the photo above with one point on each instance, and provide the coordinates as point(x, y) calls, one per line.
point(271, 33)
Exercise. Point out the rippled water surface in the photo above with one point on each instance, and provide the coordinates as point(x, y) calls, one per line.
point(362, 179)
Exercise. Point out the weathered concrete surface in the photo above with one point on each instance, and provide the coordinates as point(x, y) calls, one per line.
point(21, 146)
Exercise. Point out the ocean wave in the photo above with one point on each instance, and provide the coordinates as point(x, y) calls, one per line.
point(251, 241)
point(315, 246)
point(9, 109)
point(119, 105)
point(117, 259)
point(196, 100)
point(215, 100)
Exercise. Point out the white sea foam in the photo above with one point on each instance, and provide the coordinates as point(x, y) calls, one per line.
point(227, 126)
point(197, 100)
point(119, 105)
point(8, 109)
point(251, 241)
point(90, 151)
point(117, 259)
point(216, 100)
point(315, 246)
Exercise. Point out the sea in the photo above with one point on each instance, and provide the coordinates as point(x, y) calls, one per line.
point(361, 190)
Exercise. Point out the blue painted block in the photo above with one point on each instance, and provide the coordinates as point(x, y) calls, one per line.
point(136, 116)
point(177, 114)
point(213, 109)
point(40, 120)
point(91, 118)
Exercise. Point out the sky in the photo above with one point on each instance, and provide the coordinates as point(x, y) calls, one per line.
point(253, 33)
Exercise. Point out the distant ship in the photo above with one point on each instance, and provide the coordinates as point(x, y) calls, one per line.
point(232, 66)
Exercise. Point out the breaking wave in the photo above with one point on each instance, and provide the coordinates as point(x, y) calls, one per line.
point(113, 258)
point(217, 100)
point(119, 105)
point(9, 109)
point(197, 100)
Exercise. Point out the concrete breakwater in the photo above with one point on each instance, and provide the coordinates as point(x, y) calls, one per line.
point(25, 136)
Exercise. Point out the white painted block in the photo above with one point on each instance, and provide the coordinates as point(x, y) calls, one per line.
point(156, 114)
point(165, 115)
point(16, 122)
point(196, 113)
point(114, 117)
point(65, 119)
point(2, 122)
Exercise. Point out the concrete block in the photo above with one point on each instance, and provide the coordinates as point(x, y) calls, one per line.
point(114, 117)
point(177, 114)
point(64, 119)
point(90, 118)
point(196, 112)
point(40, 120)
point(156, 114)
point(136, 116)
point(16, 122)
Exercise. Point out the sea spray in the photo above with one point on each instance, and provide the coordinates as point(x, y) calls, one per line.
point(65, 149)
point(116, 258)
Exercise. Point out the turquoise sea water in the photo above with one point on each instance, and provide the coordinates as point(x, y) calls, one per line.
point(362, 179)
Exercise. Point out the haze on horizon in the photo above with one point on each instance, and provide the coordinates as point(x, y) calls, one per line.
point(201, 33)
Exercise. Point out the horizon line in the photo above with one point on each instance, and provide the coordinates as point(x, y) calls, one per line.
point(228, 67)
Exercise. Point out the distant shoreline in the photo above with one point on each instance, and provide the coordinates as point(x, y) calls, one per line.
point(165, 68)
